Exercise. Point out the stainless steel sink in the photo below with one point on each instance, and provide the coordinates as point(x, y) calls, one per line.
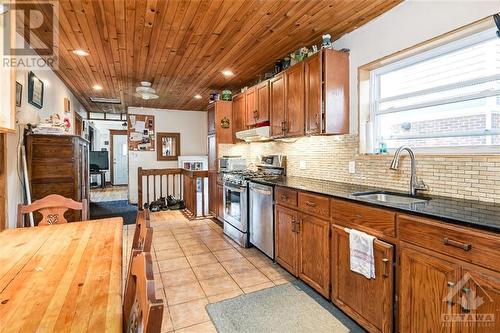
point(389, 197)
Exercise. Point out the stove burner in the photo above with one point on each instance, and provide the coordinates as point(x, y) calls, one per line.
point(242, 177)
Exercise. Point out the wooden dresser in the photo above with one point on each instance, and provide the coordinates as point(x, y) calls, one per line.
point(58, 164)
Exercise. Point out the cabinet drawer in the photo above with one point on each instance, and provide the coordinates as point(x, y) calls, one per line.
point(465, 244)
point(314, 204)
point(286, 196)
point(376, 221)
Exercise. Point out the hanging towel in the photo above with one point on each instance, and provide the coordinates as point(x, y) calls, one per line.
point(361, 253)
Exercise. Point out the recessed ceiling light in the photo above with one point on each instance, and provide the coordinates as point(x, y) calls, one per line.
point(80, 52)
point(198, 96)
point(227, 72)
point(97, 87)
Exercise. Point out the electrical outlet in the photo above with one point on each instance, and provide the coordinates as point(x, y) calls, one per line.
point(352, 166)
point(302, 165)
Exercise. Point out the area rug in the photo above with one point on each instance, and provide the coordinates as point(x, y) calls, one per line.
point(292, 307)
point(119, 208)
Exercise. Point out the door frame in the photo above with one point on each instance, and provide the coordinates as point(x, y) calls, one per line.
point(111, 134)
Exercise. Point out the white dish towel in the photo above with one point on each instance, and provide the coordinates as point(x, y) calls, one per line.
point(361, 253)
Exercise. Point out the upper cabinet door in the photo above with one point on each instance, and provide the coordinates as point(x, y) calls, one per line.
point(294, 97)
point(336, 92)
point(239, 114)
point(313, 93)
point(251, 106)
point(211, 118)
point(262, 91)
point(277, 92)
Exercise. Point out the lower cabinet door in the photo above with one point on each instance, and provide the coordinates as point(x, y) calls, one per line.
point(368, 301)
point(426, 283)
point(480, 300)
point(286, 239)
point(314, 252)
point(220, 202)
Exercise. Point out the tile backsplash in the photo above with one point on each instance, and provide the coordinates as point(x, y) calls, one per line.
point(470, 177)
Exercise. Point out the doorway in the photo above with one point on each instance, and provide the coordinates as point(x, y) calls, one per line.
point(119, 157)
point(115, 187)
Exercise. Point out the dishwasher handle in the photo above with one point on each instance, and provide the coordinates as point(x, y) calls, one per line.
point(261, 191)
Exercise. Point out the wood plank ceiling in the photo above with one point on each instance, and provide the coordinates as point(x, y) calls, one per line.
point(181, 46)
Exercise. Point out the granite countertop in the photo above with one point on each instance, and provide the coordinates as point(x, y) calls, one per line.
point(476, 214)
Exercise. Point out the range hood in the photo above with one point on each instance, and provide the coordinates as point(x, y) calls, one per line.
point(255, 134)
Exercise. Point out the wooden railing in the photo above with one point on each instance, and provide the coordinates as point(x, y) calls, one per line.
point(196, 201)
point(181, 183)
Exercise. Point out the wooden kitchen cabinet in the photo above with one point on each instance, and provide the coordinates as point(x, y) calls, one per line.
point(327, 93)
point(303, 244)
point(368, 301)
point(239, 114)
point(294, 100)
point(277, 93)
point(213, 195)
point(220, 202)
point(287, 102)
point(483, 291)
point(257, 104)
point(262, 90)
point(314, 252)
point(251, 106)
point(313, 73)
point(425, 281)
point(286, 239)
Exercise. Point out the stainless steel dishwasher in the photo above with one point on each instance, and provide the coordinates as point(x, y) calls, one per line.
point(261, 217)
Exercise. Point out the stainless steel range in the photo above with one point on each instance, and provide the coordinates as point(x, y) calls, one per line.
point(238, 197)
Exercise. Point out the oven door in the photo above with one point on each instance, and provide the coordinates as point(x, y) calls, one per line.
point(235, 206)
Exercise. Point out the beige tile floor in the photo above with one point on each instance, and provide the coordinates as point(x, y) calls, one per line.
point(195, 264)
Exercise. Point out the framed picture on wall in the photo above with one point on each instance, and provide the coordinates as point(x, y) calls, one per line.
point(35, 90)
point(169, 146)
point(19, 94)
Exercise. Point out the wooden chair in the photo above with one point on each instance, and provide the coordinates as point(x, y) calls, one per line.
point(52, 208)
point(143, 238)
point(143, 234)
point(142, 312)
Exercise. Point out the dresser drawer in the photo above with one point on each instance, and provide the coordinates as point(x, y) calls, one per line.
point(286, 196)
point(469, 245)
point(314, 204)
point(374, 221)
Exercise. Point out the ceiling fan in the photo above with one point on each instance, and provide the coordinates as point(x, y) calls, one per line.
point(145, 91)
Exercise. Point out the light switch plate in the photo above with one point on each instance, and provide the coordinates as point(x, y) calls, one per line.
point(302, 165)
point(352, 166)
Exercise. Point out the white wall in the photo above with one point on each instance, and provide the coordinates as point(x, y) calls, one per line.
point(53, 102)
point(408, 24)
point(101, 135)
point(192, 125)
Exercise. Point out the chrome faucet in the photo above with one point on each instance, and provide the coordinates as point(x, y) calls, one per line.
point(415, 184)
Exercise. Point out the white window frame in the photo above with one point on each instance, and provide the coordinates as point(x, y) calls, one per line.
point(420, 57)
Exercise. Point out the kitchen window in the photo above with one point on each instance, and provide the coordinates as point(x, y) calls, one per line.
point(447, 97)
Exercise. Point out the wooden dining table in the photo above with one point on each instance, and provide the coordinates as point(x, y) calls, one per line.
point(62, 278)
